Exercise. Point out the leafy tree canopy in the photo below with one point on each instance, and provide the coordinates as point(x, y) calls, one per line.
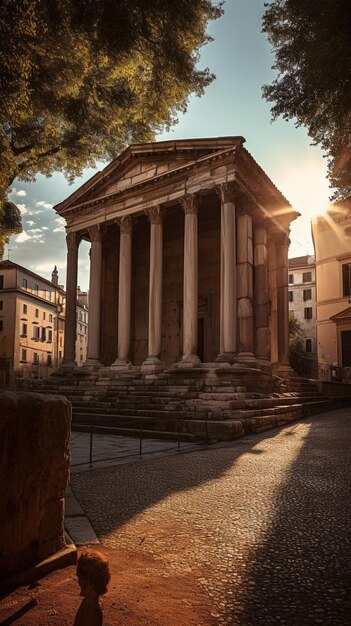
point(296, 337)
point(312, 45)
point(81, 79)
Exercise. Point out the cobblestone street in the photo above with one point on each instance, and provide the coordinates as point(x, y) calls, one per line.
point(259, 528)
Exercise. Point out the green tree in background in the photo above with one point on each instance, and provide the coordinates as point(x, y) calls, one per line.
point(82, 79)
point(311, 41)
point(296, 339)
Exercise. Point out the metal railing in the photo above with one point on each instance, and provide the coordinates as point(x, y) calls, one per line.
point(93, 456)
point(308, 367)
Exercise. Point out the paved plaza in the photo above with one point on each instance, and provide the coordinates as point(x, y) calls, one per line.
point(260, 527)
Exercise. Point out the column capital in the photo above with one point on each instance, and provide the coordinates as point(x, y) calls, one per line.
point(226, 192)
point(125, 224)
point(282, 239)
point(95, 233)
point(261, 223)
point(190, 203)
point(156, 214)
point(73, 240)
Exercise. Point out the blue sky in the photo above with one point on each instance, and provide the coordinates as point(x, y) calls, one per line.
point(241, 59)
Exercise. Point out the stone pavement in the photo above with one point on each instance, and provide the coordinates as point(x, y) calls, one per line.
point(260, 525)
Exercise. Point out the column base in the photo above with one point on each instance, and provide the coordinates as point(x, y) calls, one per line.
point(246, 359)
point(284, 370)
point(66, 367)
point(190, 360)
point(226, 357)
point(91, 365)
point(122, 365)
point(264, 364)
point(152, 365)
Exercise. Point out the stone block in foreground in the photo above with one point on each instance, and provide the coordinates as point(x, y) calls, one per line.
point(34, 472)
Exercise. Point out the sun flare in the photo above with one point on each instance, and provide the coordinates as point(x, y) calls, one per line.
point(308, 191)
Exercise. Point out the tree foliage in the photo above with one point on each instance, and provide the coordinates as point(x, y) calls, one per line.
point(81, 79)
point(296, 338)
point(10, 223)
point(312, 45)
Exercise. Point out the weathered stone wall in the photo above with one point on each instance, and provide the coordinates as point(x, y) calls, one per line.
point(34, 471)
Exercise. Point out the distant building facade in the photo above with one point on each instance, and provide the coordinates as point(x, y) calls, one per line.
point(302, 298)
point(332, 242)
point(32, 323)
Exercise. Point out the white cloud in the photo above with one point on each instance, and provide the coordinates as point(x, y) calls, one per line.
point(45, 205)
point(34, 230)
point(59, 229)
point(23, 209)
point(44, 227)
point(60, 220)
point(18, 192)
point(30, 223)
point(22, 237)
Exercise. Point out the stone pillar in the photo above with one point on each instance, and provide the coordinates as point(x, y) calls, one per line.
point(153, 362)
point(190, 282)
point(282, 246)
point(93, 353)
point(261, 300)
point(124, 292)
point(272, 284)
point(245, 287)
point(228, 312)
point(69, 356)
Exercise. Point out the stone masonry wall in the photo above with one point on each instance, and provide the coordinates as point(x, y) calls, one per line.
point(34, 471)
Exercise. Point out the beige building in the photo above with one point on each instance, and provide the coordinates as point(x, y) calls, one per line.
point(32, 324)
point(189, 261)
point(332, 242)
point(302, 298)
point(32, 313)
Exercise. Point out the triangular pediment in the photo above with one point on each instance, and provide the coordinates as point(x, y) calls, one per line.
point(342, 315)
point(142, 162)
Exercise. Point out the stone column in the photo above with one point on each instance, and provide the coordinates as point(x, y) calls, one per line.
point(69, 356)
point(124, 292)
point(261, 300)
point(153, 362)
point(272, 284)
point(93, 353)
point(245, 287)
point(190, 283)
point(282, 245)
point(228, 313)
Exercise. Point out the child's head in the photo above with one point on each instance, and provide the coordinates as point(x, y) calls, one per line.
point(93, 568)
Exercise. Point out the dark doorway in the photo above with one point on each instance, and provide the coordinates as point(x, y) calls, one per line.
point(201, 338)
point(346, 348)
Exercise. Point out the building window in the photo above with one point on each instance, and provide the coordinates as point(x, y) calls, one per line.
point(49, 334)
point(1, 281)
point(291, 279)
point(346, 279)
point(24, 330)
point(35, 332)
point(36, 313)
point(308, 345)
point(36, 289)
point(24, 283)
point(44, 315)
point(24, 356)
point(307, 294)
point(43, 334)
point(1, 325)
point(36, 358)
point(49, 362)
point(290, 296)
point(306, 277)
point(1, 305)
point(50, 317)
point(25, 309)
point(308, 313)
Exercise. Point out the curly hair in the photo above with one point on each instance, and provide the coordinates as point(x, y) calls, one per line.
point(93, 567)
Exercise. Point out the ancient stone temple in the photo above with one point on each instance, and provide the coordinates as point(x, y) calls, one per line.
point(188, 267)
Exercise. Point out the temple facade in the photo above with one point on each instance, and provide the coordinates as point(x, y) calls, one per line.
point(188, 261)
